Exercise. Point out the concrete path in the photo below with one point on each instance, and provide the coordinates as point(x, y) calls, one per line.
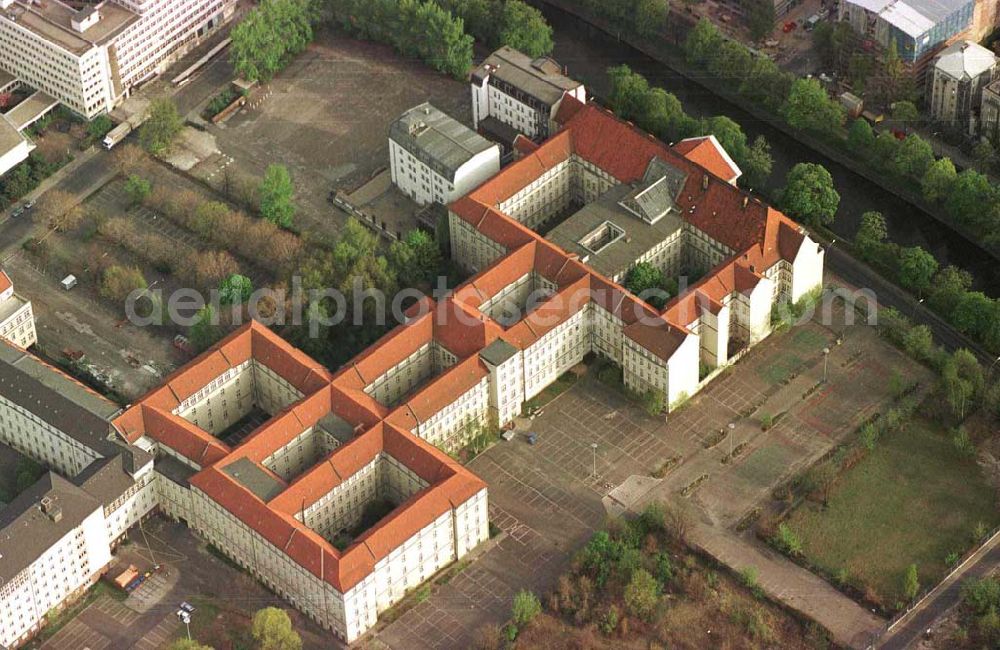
point(850, 624)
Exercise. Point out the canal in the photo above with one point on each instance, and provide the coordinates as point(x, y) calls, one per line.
point(588, 53)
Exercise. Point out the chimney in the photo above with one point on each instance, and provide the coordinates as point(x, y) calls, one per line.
point(746, 200)
point(51, 510)
point(704, 182)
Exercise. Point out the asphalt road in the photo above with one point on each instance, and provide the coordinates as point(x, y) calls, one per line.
point(860, 275)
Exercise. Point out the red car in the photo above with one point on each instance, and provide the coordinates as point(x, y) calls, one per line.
point(899, 134)
point(789, 26)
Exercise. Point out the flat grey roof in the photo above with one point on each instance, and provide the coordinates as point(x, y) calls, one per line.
point(31, 109)
point(619, 256)
point(57, 399)
point(25, 531)
point(337, 427)
point(541, 78)
point(497, 352)
point(436, 139)
point(52, 21)
point(106, 479)
point(253, 478)
point(174, 470)
point(10, 137)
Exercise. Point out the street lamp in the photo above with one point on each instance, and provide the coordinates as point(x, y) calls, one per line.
point(732, 427)
point(593, 446)
point(826, 359)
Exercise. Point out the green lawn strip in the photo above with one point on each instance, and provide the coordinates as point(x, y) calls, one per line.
point(563, 383)
point(912, 500)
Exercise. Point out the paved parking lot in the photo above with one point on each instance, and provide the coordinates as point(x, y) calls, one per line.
point(547, 498)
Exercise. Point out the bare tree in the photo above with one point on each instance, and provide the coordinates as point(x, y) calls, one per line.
point(129, 158)
point(58, 210)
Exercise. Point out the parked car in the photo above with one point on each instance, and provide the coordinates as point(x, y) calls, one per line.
point(29, 204)
point(17, 212)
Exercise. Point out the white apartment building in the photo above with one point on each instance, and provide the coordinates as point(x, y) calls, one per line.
point(434, 158)
point(17, 321)
point(53, 546)
point(512, 89)
point(956, 82)
point(90, 58)
point(56, 538)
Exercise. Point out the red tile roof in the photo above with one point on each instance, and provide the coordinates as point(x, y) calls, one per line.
point(706, 152)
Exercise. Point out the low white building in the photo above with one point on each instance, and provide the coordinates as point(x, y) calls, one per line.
point(435, 158)
point(520, 92)
point(956, 82)
point(90, 58)
point(14, 147)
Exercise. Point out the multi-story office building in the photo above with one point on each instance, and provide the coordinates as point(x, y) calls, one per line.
point(90, 58)
point(512, 89)
point(955, 85)
point(435, 158)
point(17, 321)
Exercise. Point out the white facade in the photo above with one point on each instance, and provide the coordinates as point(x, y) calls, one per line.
point(422, 183)
point(91, 63)
point(956, 82)
point(17, 321)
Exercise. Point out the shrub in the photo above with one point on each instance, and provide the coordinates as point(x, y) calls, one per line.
point(609, 622)
point(787, 541)
point(911, 582)
point(642, 594)
point(119, 281)
point(963, 444)
point(869, 435)
point(526, 607)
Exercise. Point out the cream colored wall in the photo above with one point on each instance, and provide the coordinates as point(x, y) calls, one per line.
point(42, 442)
point(449, 429)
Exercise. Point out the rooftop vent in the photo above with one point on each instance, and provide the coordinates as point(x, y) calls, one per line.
point(85, 18)
point(51, 510)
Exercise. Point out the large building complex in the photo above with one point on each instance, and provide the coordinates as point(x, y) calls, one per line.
point(90, 58)
point(955, 85)
point(56, 537)
point(289, 499)
point(435, 158)
point(512, 90)
point(14, 147)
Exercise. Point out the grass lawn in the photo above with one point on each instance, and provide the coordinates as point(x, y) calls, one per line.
point(913, 500)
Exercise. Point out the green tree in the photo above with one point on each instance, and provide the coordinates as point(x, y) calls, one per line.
point(913, 157)
point(950, 284)
point(651, 17)
point(969, 194)
point(703, 42)
point(416, 258)
point(962, 382)
point(137, 188)
point(162, 125)
point(644, 279)
point(526, 607)
point(905, 113)
point(871, 235)
point(809, 108)
point(98, 127)
point(860, 67)
point(272, 629)
point(757, 164)
point(206, 330)
point(276, 190)
point(270, 35)
point(916, 268)
point(938, 180)
point(919, 342)
point(629, 92)
point(884, 149)
point(809, 195)
point(971, 312)
point(235, 289)
point(730, 136)
point(760, 19)
point(642, 594)
point(525, 29)
point(860, 137)
point(911, 583)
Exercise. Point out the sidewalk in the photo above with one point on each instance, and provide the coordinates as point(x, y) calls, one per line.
point(850, 624)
